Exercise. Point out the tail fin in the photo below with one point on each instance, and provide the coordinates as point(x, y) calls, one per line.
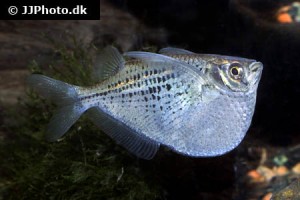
point(64, 95)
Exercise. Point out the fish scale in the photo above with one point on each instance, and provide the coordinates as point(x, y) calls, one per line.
point(165, 100)
point(195, 104)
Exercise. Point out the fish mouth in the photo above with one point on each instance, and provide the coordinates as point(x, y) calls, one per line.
point(255, 72)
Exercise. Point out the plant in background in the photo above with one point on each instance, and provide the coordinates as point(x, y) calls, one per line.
point(85, 164)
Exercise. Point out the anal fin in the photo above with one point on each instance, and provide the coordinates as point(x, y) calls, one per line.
point(135, 143)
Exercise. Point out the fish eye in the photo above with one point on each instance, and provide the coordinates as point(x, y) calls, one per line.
point(236, 71)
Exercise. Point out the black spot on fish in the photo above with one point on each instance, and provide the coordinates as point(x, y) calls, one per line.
point(154, 89)
point(158, 98)
point(161, 108)
point(142, 92)
point(178, 94)
point(153, 97)
point(146, 73)
point(146, 99)
point(150, 90)
point(155, 71)
point(123, 95)
point(168, 87)
point(164, 79)
point(158, 79)
point(158, 89)
point(130, 94)
point(127, 80)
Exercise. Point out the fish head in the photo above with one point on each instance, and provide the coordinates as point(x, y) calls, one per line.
point(234, 74)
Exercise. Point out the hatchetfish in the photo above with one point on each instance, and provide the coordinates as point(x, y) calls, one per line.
point(199, 105)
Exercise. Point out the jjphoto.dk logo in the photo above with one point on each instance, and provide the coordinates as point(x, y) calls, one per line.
point(43, 10)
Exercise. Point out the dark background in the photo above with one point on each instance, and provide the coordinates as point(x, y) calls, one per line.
point(245, 28)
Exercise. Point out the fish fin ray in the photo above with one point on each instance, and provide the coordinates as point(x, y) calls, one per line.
point(59, 92)
point(107, 63)
point(208, 94)
point(64, 95)
point(150, 57)
point(62, 120)
point(173, 50)
point(135, 143)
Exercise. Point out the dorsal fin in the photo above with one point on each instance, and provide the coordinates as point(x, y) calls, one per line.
point(107, 63)
point(149, 57)
point(135, 143)
point(159, 58)
point(173, 50)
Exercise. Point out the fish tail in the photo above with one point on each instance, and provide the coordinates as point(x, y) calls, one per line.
point(65, 96)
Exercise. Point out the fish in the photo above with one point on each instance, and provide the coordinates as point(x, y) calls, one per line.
point(198, 105)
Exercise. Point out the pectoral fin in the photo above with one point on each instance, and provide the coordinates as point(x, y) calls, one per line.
point(172, 50)
point(208, 93)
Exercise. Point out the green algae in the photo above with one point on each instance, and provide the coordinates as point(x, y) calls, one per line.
point(85, 164)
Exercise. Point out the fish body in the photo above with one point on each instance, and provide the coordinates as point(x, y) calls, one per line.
point(199, 105)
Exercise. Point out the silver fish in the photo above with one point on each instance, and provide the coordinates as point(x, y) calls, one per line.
point(199, 105)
